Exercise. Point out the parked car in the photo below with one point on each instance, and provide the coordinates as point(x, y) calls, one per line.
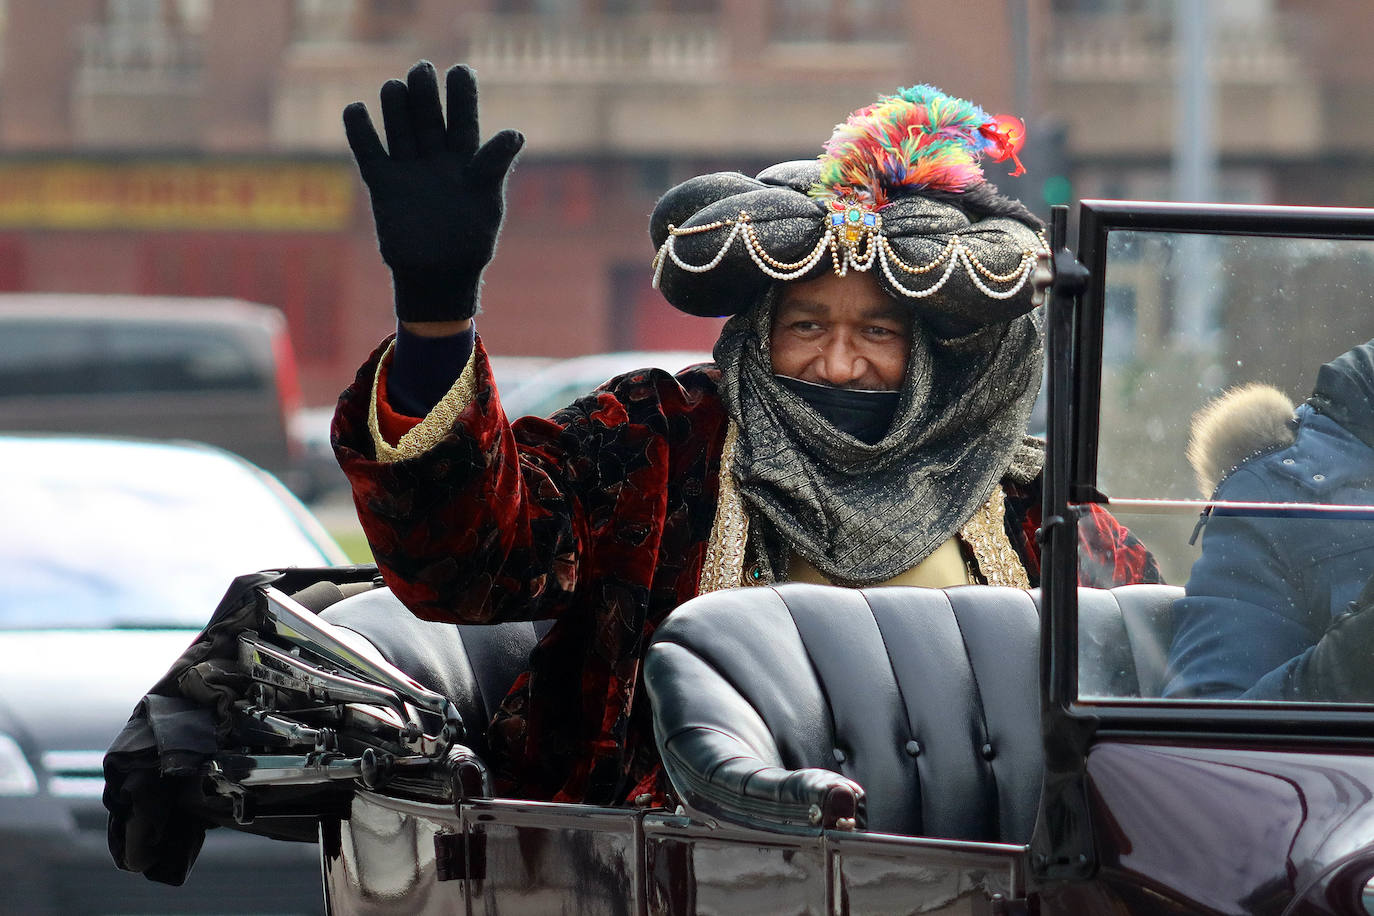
point(221, 371)
point(112, 554)
point(512, 371)
point(317, 474)
point(560, 383)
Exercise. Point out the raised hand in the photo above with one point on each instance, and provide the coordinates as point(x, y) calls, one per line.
point(438, 198)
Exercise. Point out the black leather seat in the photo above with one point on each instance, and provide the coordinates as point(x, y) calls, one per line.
point(474, 666)
point(1123, 639)
point(914, 710)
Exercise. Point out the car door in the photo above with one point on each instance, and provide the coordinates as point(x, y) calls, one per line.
point(1236, 775)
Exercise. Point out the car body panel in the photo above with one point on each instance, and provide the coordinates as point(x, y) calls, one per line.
point(529, 857)
point(1232, 829)
point(47, 671)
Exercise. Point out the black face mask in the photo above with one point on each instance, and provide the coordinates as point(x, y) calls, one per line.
point(865, 415)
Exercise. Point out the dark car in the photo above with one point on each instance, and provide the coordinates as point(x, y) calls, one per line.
point(112, 553)
point(221, 371)
point(972, 750)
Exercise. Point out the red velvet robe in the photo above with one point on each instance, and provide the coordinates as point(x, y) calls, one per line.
point(598, 518)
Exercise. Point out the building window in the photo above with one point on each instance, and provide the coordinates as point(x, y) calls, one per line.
point(836, 20)
point(323, 20)
point(590, 8)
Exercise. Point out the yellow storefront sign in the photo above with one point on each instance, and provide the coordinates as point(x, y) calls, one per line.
point(172, 194)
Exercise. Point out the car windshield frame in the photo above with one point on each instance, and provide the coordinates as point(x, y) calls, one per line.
point(1078, 429)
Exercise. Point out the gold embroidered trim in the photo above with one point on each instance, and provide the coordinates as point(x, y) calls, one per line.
point(436, 424)
point(724, 566)
point(984, 533)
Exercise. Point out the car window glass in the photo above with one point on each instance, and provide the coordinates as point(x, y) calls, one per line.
point(66, 358)
point(1259, 525)
point(47, 358)
point(101, 539)
point(171, 357)
point(551, 388)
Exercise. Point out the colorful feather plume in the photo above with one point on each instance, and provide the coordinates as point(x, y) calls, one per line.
point(918, 139)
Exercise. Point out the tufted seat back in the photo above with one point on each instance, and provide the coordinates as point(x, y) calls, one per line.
point(1123, 639)
point(472, 665)
point(916, 711)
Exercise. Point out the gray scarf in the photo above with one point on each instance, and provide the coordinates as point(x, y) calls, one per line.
point(862, 514)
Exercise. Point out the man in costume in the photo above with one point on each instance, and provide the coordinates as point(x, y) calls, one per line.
point(863, 423)
point(1283, 608)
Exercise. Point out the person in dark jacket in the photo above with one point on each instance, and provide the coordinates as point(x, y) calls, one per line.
point(1282, 608)
point(863, 423)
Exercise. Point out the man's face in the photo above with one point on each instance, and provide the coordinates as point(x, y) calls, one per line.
point(841, 331)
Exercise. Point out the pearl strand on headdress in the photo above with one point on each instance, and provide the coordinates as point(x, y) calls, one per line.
point(843, 262)
point(879, 249)
point(1025, 268)
point(883, 251)
point(925, 268)
point(784, 271)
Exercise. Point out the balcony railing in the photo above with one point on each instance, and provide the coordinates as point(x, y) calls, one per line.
point(322, 20)
point(117, 53)
point(1092, 48)
point(637, 47)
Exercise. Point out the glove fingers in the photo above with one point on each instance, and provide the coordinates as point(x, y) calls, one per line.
point(400, 136)
point(463, 133)
point(492, 161)
point(426, 117)
point(362, 139)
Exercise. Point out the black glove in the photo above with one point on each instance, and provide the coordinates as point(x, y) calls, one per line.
point(436, 197)
point(1341, 666)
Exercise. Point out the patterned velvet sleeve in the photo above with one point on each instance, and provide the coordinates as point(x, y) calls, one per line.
point(475, 520)
point(1108, 553)
point(451, 509)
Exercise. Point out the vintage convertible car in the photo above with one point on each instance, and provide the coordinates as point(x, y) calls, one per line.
point(971, 750)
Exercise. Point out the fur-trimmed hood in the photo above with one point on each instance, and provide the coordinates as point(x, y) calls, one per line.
point(1242, 423)
point(1253, 419)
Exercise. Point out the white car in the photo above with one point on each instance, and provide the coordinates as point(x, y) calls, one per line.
point(112, 556)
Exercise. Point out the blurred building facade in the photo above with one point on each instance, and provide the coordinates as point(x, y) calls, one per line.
point(195, 147)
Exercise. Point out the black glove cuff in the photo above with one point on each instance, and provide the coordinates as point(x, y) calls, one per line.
point(436, 295)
